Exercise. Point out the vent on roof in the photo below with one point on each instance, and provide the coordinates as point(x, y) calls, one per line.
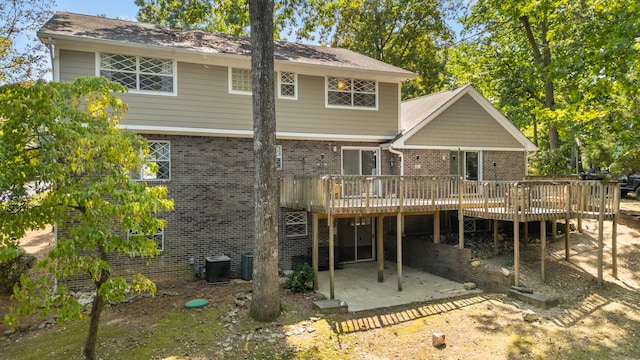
point(198, 35)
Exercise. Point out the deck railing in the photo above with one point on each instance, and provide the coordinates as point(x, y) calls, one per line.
point(346, 194)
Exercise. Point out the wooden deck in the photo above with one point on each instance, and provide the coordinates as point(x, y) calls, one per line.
point(517, 201)
point(523, 200)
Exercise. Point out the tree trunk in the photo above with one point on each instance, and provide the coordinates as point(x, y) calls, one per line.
point(94, 320)
point(543, 57)
point(265, 305)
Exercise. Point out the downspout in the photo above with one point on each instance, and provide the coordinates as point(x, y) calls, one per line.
point(53, 60)
point(400, 156)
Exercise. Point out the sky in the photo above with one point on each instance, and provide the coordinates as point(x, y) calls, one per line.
point(124, 9)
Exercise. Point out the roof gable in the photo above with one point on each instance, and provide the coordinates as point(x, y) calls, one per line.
point(457, 118)
point(100, 29)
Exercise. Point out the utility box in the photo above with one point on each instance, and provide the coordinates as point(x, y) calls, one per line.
point(217, 269)
point(246, 266)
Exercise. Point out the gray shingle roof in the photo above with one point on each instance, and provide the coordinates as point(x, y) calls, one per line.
point(86, 27)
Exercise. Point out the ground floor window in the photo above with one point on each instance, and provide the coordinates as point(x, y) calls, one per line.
point(296, 224)
point(158, 237)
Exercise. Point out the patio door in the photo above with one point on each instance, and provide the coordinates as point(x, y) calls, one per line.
point(362, 162)
point(356, 239)
point(469, 163)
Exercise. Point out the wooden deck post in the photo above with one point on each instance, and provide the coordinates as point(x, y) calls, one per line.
point(399, 249)
point(600, 234)
point(331, 260)
point(516, 242)
point(436, 227)
point(614, 235)
point(526, 233)
point(460, 215)
point(567, 242)
point(614, 248)
point(496, 244)
point(567, 220)
point(379, 247)
point(314, 251)
point(543, 247)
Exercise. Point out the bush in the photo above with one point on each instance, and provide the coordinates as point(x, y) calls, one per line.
point(301, 280)
point(11, 270)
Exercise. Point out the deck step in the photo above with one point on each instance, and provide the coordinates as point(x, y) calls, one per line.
point(535, 298)
point(334, 306)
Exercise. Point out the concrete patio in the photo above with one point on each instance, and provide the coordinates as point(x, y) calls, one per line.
point(357, 285)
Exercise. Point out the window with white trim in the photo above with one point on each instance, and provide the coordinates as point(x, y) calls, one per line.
point(158, 237)
point(296, 224)
point(287, 85)
point(346, 92)
point(239, 81)
point(279, 157)
point(159, 154)
point(139, 73)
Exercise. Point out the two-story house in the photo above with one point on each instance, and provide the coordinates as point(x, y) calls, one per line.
point(338, 112)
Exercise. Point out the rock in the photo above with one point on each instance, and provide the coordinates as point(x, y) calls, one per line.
point(469, 285)
point(437, 339)
point(530, 315)
point(310, 330)
point(505, 271)
point(240, 303)
point(288, 272)
point(475, 263)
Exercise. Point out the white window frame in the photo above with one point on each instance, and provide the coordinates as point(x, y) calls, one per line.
point(239, 92)
point(278, 157)
point(295, 221)
point(294, 83)
point(140, 176)
point(158, 237)
point(351, 91)
point(174, 74)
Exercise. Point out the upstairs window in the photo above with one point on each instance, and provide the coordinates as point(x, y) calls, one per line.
point(139, 73)
point(239, 81)
point(355, 93)
point(287, 85)
point(160, 154)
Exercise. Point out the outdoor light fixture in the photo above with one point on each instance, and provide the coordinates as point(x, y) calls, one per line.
point(343, 84)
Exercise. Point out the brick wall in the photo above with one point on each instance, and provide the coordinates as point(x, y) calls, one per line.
point(212, 187)
point(510, 165)
point(426, 162)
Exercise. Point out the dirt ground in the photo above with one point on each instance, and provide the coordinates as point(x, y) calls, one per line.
point(591, 322)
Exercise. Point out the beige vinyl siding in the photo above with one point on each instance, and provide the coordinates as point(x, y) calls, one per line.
point(464, 124)
point(203, 102)
point(75, 64)
point(308, 114)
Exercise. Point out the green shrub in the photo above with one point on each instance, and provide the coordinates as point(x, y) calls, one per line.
point(11, 270)
point(301, 280)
